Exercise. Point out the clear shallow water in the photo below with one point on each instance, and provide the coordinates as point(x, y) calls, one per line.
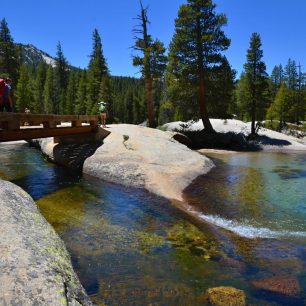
point(131, 248)
point(255, 194)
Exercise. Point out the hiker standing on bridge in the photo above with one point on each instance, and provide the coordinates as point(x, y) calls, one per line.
point(6, 100)
point(103, 113)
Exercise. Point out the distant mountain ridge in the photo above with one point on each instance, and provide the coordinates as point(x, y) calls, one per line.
point(32, 55)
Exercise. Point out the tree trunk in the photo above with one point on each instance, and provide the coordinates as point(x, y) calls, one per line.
point(253, 115)
point(201, 89)
point(147, 68)
point(149, 98)
point(202, 104)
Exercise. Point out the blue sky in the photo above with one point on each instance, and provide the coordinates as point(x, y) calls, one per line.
point(44, 23)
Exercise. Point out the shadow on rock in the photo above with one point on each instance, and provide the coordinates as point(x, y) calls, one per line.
point(73, 156)
point(265, 140)
point(224, 141)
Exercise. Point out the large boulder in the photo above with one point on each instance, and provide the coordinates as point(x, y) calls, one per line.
point(143, 157)
point(35, 266)
point(134, 156)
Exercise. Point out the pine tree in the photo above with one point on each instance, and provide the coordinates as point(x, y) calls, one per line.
point(9, 63)
point(220, 89)
point(139, 106)
point(277, 76)
point(80, 107)
point(61, 74)
point(291, 74)
point(71, 94)
point(128, 102)
point(196, 46)
point(49, 92)
point(280, 107)
point(300, 101)
point(182, 95)
point(23, 91)
point(152, 60)
point(291, 78)
point(97, 69)
point(38, 88)
point(243, 98)
point(120, 87)
point(255, 70)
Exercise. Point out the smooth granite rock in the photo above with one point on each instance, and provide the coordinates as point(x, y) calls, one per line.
point(68, 155)
point(35, 266)
point(148, 158)
point(137, 156)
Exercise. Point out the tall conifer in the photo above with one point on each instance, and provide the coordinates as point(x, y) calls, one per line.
point(280, 107)
point(49, 92)
point(61, 74)
point(23, 91)
point(97, 69)
point(276, 78)
point(9, 62)
point(197, 46)
point(255, 70)
point(38, 88)
point(81, 94)
point(71, 94)
point(152, 60)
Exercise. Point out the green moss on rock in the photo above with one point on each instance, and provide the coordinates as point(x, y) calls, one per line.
point(189, 237)
point(226, 296)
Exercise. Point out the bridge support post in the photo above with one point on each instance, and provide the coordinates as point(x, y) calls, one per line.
point(76, 123)
point(49, 124)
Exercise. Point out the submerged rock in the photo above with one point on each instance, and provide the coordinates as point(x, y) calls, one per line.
point(226, 296)
point(35, 266)
point(234, 263)
point(188, 237)
point(286, 285)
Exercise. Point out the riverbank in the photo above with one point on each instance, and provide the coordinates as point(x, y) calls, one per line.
point(35, 266)
point(267, 140)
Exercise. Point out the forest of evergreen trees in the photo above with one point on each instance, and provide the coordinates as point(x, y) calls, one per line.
point(193, 81)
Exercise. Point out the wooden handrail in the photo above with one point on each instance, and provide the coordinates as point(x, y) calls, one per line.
point(40, 126)
point(14, 121)
point(39, 117)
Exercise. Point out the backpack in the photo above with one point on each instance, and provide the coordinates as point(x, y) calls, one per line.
point(2, 87)
point(2, 90)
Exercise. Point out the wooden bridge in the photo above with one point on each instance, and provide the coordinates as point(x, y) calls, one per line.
point(21, 126)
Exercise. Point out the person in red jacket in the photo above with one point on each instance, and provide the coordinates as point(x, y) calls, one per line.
point(6, 102)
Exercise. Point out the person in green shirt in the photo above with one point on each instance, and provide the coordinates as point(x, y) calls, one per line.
point(103, 113)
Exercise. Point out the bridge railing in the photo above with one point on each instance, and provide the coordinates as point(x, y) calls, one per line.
point(19, 126)
point(14, 121)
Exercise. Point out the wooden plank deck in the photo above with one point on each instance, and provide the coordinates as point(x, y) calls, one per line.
point(20, 126)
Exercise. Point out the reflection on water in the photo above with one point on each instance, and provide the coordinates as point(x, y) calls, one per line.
point(131, 248)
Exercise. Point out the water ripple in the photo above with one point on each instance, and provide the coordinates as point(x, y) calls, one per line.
point(248, 231)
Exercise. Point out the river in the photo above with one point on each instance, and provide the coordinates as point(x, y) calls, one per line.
point(130, 247)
